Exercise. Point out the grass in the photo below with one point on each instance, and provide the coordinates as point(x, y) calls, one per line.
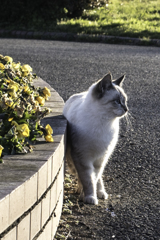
point(126, 18)
point(136, 18)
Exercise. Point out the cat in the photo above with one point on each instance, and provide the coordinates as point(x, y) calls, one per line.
point(93, 127)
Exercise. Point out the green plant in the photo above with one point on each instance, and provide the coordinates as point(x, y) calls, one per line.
point(20, 108)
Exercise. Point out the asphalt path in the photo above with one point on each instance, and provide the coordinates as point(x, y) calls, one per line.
point(133, 173)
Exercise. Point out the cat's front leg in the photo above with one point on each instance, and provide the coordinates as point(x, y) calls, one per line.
point(90, 198)
point(89, 189)
point(101, 193)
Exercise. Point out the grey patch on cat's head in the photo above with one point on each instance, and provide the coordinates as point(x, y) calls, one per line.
point(103, 84)
point(106, 84)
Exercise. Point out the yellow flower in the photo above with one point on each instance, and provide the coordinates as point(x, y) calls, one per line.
point(16, 66)
point(26, 69)
point(26, 89)
point(13, 93)
point(23, 129)
point(1, 149)
point(8, 59)
point(46, 92)
point(1, 66)
point(49, 138)
point(36, 103)
point(48, 129)
point(10, 119)
point(41, 100)
point(13, 85)
point(7, 80)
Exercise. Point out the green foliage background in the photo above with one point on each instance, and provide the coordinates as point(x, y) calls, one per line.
point(41, 13)
point(30, 12)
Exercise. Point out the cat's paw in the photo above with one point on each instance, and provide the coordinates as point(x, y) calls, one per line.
point(102, 194)
point(91, 200)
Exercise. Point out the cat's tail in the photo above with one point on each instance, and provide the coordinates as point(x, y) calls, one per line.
point(69, 159)
point(72, 170)
point(70, 162)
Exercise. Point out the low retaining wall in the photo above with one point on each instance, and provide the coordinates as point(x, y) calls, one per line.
point(31, 185)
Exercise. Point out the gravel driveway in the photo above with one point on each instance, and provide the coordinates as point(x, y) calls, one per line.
point(132, 177)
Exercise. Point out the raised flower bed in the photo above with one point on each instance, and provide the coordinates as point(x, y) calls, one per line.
point(31, 185)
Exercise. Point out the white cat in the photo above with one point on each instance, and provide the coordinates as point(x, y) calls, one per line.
point(93, 126)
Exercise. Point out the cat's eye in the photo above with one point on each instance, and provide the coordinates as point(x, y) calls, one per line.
point(117, 101)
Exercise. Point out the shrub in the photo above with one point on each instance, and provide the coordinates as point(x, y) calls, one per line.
point(29, 13)
point(75, 8)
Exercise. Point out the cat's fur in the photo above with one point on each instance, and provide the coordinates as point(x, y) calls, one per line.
point(93, 126)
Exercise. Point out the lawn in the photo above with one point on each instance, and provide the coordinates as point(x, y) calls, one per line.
point(135, 18)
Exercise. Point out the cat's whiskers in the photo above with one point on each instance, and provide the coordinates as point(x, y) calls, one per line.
point(128, 120)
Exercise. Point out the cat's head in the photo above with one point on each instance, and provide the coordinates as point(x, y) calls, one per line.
point(110, 96)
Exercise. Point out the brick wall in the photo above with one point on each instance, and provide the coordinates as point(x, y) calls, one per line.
point(31, 185)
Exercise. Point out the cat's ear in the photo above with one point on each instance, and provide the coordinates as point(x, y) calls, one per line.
point(119, 81)
point(104, 84)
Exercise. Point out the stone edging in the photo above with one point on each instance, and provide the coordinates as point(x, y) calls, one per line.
point(31, 185)
point(77, 37)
